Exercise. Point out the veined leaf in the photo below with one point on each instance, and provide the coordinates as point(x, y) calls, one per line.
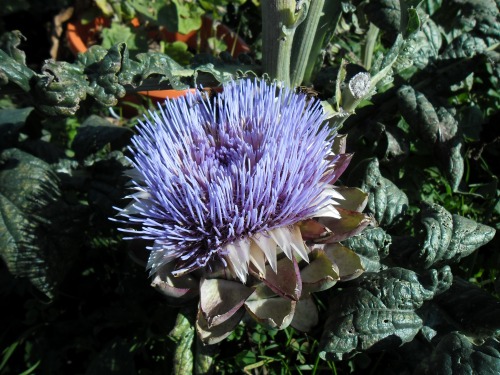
point(11, 121)
point(456, 354)
point(438, 128)
point(96, 132)
point(378, 312)
point(30, 210)
point(13, 61)
point(385, 201)
point(443, 238)
point(471, 309)
point(183, 335)
point(371, 245)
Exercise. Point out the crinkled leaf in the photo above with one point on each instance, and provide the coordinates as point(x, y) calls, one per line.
point(425, 44)
point(419, 113)
point(386, 202)
point(362, 322)
point(438, 128)
point(31, 208)
point(152, 63)
point(371, 246)
point(220, 299)
point(467, 237)
point(60, 88)
point(456, 354)
point(471, 309)
point(348, 262)
point(464, 46)
point(104, 83)
point(183, 335)
point(95, 133)
point(376, 313)
point(385, 14)
point(13, 61)
point(443, 238)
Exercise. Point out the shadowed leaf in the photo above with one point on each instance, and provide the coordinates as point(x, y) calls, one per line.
point(456, 354)
point(305, 316)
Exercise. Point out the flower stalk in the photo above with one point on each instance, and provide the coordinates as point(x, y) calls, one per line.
point(279, 23)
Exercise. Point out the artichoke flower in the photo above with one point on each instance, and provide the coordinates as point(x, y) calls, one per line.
point(237, 197)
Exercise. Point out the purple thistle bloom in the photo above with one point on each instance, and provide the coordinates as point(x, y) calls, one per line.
point(227, 183)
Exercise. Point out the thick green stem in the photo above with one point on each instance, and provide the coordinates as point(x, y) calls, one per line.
point(303, 42)
point(370, 41)
point(278, 28)
point(330, 16)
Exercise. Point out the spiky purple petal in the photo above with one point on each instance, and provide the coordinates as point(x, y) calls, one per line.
point(209, 175)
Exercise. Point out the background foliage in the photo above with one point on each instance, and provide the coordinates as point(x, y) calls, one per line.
point(425, 146)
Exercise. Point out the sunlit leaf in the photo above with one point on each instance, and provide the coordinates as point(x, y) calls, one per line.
point(386, 202)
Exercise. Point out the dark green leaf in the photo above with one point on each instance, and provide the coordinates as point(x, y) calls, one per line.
point(60, 88)
point(464, 46)
point(38, 241)
point(13, 61)
point(385, 14)
point(371, 245)
point(183, 335)
point(386, 202)
point(95, 133)
point(414, 21)
point(425, 44)
point(11, 121)
point(442, 238)
point(115, 358)
point(456, 354)
point(438, 128)
point(471, 309)
point(378, 312)
point(9, 42)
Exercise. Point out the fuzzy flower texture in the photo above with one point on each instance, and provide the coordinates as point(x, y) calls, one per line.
point(237, 183)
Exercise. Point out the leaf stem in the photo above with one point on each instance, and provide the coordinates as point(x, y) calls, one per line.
point(371, 39)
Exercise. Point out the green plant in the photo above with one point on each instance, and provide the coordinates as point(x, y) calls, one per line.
point(414, 87)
